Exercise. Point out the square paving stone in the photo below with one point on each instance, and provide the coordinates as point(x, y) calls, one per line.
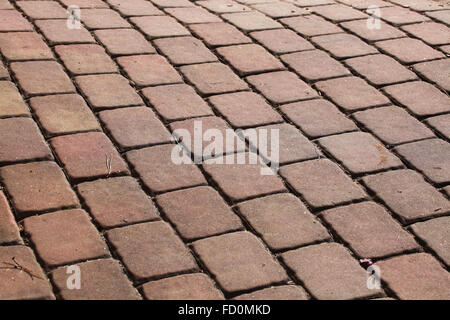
point(282, 87)
point(158, 171)
point(393, 125)
point(251, 21)
point(11, 102)
point(37, 186)
point(385, 32)
point(419, 5)
point(198, 212)
point(436, 72)
point(339, 13)
point(430, 157)
point(312, 264)
point(369, 230)
point(177, 102)
point(360, 152)
point(65, 113)
point(223, 6)
point(431, 33)
point(343, 45)
point(101, 280)
point(42, 9)
point(88, 155)
point(64, 237)
point(151, 250)
point(148, 70)
point(283, 221)
point(322, 183)
point(311, 25)
point(160, 26)
point(102, 19)
point(135, 7)
point(9, 231)
point(193, 15)
point(407, 194)
point(317, 117)
point(352, 93)
point(232, 257)
point(173, 3)
point(17, 285)
point(117, 201)
point(56, 32)
point(33, 81)
point(124, 41)
point(194, 286)
point(416, 277)
point(24, 46)
point(287, 292)
point(22, 132)
point(134, 127)
point(219, 33)
point(408, 50)
point(398, 16)
point(279, 9)
point(108, 91)
point(282, 40)
point(85, 3)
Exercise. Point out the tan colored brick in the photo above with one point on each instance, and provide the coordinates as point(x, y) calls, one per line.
point(4, 4)
point(185, 50)
point(251, 21)
point(364, 4)
point(399, 16)
point(85, 3)
point(12, 20)
point(9, 231)
point(160, 26)
point(124, 41)
point(431, 33)
point(408, 50)
point(435, 71)
point(56, 32)
point(339, 13)
point(24, 46)
point(198, 212)
point(219, 34)
point(283, 221)
point(102, 19)
point(117, 201)
point(173, 3)
point(193, 15)
point(311, 25)
point(135, 7)
point(385, 32)
point(279, 9)
point(343, 45)
point(287, 292)
point(232, 257)
point(151, 250)
point(281, 40)
point(307, 3)
point(42, 9)
point(222, 6)
point(11, 103)
point(100, 280)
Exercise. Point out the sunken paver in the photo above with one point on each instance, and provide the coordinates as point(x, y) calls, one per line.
point(369, 230)
point(56, 32)
point(281, 41)
point(198, 212)
point(408, 50)
point(37, 186)
point(440, 124)
point(311, 25)
point(102, 19)
point(148, 70)
point(288, 292)
point(88, 155)
point(160, 26)
point(385, 32)
point(393, 125)
point(9, 230)
point(282, 87)
point(18, 285)
point(317, 117)
point(62, 114)
point(134, 127)
point(352, 93)
point(245, 109)
point(359, 152)
point(24, 46)
point(12, 20)
point(219, 33)
point(407, 194)
point(159, 173)
point(401, 16)
point(176, 102)
point(436, 72)
point(144, 254)
point(101, 280)
point(432, 33)
point(315, 65)
point(222, 6)
point(11, 103)
point(185, 50)
point(283, 221)
point(435, 233)
point(421, 98)
point(64, 237)
point(429, 157)
point(322, 183)
point(213, 78)
point(124, 41)
point(240, 181)
point(343, 45)
point(251, 21)
point(194, 286)
point(380, 70)
point(311, 265)
point(250, 59)
point(135, 7)
point(279, 9)
point(33, 81)
point(231, 257)
point(42, 9)
point(416, 277)
point(339, 13)
point(21, 140)
point(193, 15)
point(108, 91)
point(117, 201)
point(85, 59)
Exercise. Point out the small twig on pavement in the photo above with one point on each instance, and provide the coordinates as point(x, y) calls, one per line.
point(18, 266)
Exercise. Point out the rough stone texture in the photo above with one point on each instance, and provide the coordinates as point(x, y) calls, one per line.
point(432, 33)
point(435, 71)
point(23, 46)
point(279, 9)
point(9, 231)
point(408, 50)
point(124, 41)
point(42, 9)
point(442, 16)
point(385, 32)
point(11, 103)
point(102, 19)
point(311, 25)
point(117, 201)
point(219, 33)
point(343, 45)
point(251, 21)
point(64, 237)
point(312, 264)
point(288, 292)
point(232, 256)
point(440, 123)
point(321, 183)
point(407, 194)
point(135, 7)
point(56, 32)
point(339, 13)
point(281, 40)
point(283, 221)
point(193, 15)
point(400, 16)
point(145, 255)
point(185, 50)
point(160, 26)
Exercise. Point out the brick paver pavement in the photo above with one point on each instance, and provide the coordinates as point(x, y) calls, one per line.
point(86, 176)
